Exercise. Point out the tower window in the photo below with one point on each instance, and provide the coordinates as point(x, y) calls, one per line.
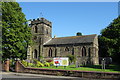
point(46, 31)
point(35, 29)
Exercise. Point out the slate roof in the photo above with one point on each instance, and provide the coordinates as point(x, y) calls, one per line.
point(72, 40)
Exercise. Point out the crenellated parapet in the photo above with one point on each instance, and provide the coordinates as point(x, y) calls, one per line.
point(41, 20)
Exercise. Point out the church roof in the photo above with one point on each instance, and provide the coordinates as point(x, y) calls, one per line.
point(72, 40)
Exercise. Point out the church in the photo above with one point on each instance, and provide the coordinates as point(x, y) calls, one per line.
point(85, 47)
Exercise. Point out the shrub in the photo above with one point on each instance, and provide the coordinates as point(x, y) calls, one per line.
point(12, 63)
point(35, 61)
point(49, 60)
point(33, 65)
point(41, 57)
point(24, 63)
point(47, 64)
point(30, 64)
point(51, 63)
point(72, 58)
point(39, 64)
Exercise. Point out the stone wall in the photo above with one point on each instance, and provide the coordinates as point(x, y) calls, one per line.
point(74, 73)
point(89, 53)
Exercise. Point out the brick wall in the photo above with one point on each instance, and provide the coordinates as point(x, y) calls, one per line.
point(6, 65)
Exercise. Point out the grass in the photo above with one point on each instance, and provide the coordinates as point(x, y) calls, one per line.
point(111, 68)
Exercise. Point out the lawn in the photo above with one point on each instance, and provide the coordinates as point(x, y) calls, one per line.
point(111, 68)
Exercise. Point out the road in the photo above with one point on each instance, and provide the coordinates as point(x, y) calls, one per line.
point(26, 76)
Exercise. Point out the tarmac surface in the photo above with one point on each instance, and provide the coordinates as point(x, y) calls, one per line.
point(27, 76)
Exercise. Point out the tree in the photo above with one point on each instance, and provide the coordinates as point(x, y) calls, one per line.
point(79, 34)
point(16, 35)
point(109, 40)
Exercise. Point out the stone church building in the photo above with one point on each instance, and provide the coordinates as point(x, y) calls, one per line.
point(84, 47)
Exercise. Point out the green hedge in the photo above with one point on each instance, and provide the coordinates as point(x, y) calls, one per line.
point(47, 64)
point(39, 64)
point(27, 64)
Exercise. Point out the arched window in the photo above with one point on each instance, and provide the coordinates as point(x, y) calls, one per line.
point(83, 51)
point(35, 54)
point(55, 52)
point(50, 53)
point(89, 52)
point(73, 51)
point(35, 29)
point(66, 49)
point(46, 31)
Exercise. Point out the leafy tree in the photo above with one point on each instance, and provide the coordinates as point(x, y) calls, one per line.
point(79, 34)
point(109, 40)
point(0, 33)
point(15, 32)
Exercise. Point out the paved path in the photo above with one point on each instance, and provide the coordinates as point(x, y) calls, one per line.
point(27, 76)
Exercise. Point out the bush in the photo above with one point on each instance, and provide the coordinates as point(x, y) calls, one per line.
point(39, 64)
point(47, 64)
point(34, 65)
point(49, 60)
point(27, 64)
point(72, 58)
point(51, 63)
point(31, 64)
point(35, 61)
point(24, 63)
point(12, 62)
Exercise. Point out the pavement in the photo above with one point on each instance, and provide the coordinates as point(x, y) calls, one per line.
point(34, 75)
point(28, 76)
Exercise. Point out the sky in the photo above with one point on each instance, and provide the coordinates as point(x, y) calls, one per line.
point(67, 0)
point(68, 18)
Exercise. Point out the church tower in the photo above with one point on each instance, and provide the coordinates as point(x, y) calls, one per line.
point(41, 30)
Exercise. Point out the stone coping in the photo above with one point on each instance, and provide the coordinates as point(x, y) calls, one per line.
point(117, 73)
point(72, 70)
